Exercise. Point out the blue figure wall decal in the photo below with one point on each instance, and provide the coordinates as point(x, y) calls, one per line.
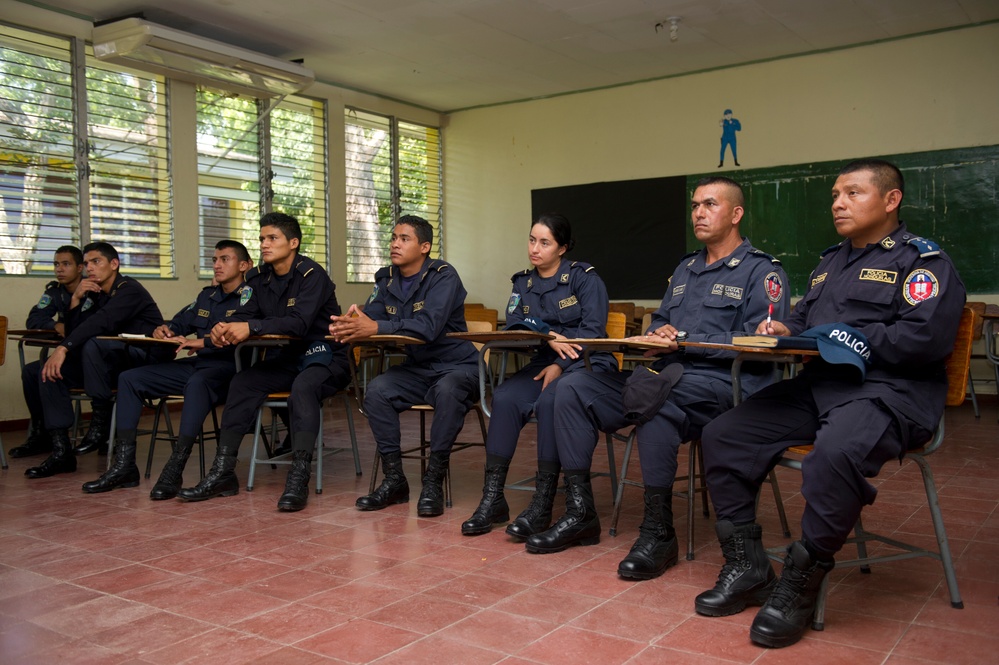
point(729, 127)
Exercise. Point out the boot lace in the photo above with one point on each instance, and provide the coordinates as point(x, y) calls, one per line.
point(736, 562)
point(790, 587)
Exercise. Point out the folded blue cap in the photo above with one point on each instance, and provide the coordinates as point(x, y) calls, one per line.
point(839, 344)
point(530, 323)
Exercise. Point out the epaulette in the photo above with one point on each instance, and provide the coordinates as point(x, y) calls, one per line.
point(689, 254)
point(759, 252)
point(383, 273)
point(924, 246)
point(51, 285)
point(305, 266)
point(585, 267)
point(829, 249)
point(210, 286)
point(440, 265)
point(251, 273)
point(522, 273)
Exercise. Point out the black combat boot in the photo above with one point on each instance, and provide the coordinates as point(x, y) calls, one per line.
point(61, 460)
point(578, 526)
point(538, 515)
point(431, 502)
point(493, 508)
point(394, 488)
point(172, 476)
point(296, 487)
point(221, 479)
point(99, 431)
point(785, 616)
point(746, 577)
point(37, 443)
point(656, 548)
point(123, 471)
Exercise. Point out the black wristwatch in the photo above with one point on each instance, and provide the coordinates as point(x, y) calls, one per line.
point(681, 336)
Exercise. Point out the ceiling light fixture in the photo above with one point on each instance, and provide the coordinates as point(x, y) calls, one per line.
point(673, 23)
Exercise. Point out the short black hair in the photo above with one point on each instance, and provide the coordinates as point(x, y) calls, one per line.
point(424, 231)
point(71, 249)
point(105, 249)
point(559, 226)
point(235, 245)
point(886, 176)
point(740, 196)
point(287, 224)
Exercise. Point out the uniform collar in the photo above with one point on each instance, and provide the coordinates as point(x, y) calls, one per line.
point(395, 279)
point(538, 284)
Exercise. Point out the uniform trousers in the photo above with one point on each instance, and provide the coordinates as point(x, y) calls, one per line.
point(96, 369)
point(853, 440)
point(204, 382)
point(308, 388)
point(30, 375)
point(582, 405)
point(451, 392)
point(513, 403)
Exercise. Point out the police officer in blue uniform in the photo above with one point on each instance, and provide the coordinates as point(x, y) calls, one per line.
point(423, 298)
point(569, 300)
point(203, 380)
point(904, 296)
point(292, 295)
point(726, 287)
point(48, 314)
point(105, 303)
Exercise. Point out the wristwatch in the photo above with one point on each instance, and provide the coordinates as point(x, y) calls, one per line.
point(681, 336)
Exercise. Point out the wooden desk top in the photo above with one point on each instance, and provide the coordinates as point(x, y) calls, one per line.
point(637, 343)
point(33, 332)
point(991, 312)
point(385, 340)
point(142, 339)
point(502, 336)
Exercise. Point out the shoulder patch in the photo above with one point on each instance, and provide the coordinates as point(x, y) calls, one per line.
point(374, 294)
point(44, 301)
point(925, 247)
point(192, 305)
point(245, 293)
point(774, 286)
point(511, 306)
point(920, 285)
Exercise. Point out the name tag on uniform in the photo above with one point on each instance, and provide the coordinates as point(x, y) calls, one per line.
point(204, 312)
point(417, 306)
point(678, 290)
point(567, 302)
point(884, 276)
point(734, 292)
point(291, 302)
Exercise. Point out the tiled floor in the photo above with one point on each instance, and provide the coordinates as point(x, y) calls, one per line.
point(117, 578)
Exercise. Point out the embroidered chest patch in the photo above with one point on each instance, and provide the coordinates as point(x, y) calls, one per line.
point(567, 302)
point(204, 313)
point(883, 276)
point(417, 306)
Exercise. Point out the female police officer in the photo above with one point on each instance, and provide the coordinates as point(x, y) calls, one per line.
point(569, 300)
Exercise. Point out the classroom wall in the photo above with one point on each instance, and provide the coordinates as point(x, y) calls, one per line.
point(20, 293)
point(933, 92)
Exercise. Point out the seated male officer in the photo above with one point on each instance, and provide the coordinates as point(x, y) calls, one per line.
point(899, 299)
point(424, 298)
point(292, 295)
point(105, 303)
point(48, 314)
point(203, 380)
point(727, 287)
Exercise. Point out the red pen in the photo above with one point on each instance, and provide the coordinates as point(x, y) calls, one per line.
point(770, 316)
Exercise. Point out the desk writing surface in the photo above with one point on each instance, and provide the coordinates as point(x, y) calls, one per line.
point(758, 350)
point(132, 339)
point(384, 340)
point(991, 312)
point(615, 344)
point(33, 332)
point(502, 336)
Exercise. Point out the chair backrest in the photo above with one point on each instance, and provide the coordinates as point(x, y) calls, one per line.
point(616, 325)
point(482, 314)
point(3, 338)
point(959, 360)
point(627, 308)
point(979, 309)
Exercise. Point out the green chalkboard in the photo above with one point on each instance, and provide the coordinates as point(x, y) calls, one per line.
point(951, 197)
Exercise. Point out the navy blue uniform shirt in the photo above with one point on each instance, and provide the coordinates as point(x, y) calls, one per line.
point(51, 308)
point(905, 295)
point(298, 304)
point(710, 303)
point(573, 303)
point(212, 305)
point(126, 308)
point(435, 307)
